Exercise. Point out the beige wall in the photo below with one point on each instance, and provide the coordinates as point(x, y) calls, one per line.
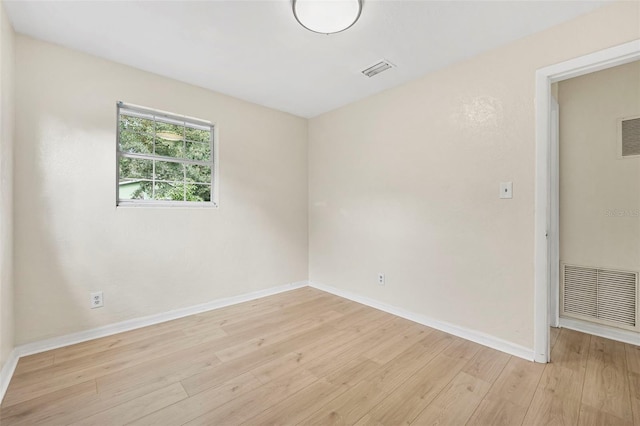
point(406, 183)
point(599, 192)
point(70, 237)
point(6, 186)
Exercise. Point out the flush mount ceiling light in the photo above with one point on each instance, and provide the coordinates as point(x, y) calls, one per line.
point(327, 16)
point(169, 136)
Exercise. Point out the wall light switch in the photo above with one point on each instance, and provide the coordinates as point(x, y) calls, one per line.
point(506, 189)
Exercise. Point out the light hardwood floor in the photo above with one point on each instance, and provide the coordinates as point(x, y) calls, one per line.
point(308, 357)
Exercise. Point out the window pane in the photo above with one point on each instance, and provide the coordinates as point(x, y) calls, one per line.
point(198, 151)
point(197, 192)
point(135, 124)
point(169, 171)
point(144, 133)
point(135, 169)
point(201, 174)
point(169, 148)
point(169, 132)
point(169, 191)
point(136, 143)
point(198, 135)
point(134, 190)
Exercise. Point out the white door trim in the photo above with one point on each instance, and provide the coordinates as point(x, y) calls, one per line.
point(545, 207)
point(554, 219)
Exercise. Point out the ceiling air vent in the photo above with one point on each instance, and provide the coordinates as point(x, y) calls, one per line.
point(630, 137)
point(603, 296)
point(377, 68)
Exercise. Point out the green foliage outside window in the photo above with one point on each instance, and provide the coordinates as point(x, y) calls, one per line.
point(158, 179)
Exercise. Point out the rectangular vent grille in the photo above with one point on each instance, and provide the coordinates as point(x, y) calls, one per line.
point(599, 295)
point(630, 135)
point(377, 68)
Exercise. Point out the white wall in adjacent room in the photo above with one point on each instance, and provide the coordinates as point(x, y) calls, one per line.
point(599, 191)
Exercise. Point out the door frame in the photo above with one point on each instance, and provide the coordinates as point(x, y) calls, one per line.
point(547, 210)
point(554, 219)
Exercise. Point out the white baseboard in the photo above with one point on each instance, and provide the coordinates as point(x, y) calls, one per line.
point(70, 339)
point(7, 372)
point(132, 324)
point(620, 335)
point(57, 342)
point(465, 333)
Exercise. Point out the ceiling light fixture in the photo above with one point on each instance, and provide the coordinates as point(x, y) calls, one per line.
point(169, 136)
point(327, 16)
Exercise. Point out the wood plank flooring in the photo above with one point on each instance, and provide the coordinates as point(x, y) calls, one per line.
point(308, 357)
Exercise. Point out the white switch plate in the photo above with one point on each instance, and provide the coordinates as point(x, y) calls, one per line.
point(506, 189)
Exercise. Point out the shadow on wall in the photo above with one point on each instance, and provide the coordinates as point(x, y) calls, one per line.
point(42, 237)
point(71, 240)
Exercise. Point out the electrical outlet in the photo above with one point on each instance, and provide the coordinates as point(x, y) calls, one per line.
point(96, 300)
point(380, 278)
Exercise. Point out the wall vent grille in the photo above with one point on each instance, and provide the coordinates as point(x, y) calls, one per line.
point(604, 296)
point(630, 136)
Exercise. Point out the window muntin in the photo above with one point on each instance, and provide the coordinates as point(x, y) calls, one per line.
point(164, 158)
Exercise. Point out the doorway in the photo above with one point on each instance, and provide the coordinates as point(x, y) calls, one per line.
point(547, 182)
point(595, 123)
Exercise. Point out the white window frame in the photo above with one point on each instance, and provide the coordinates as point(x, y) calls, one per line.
point(186, 121)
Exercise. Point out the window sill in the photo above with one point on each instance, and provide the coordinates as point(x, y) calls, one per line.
point(170, 205)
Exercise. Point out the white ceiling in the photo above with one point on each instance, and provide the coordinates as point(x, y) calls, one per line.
point(255, 50)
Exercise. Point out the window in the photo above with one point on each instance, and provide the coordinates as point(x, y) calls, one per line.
point(164, 159)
